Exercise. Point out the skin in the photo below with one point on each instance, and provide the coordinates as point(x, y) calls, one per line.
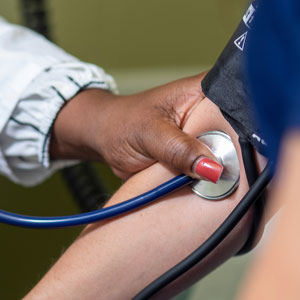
point(132, 132)
point(276, 270)
point(117, 258)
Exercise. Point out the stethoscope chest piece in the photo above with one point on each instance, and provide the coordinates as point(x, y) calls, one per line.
point(223, 148)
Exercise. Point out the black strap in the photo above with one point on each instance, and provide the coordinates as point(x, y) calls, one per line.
point(252, 175)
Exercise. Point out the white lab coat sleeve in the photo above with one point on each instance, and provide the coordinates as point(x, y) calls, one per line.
point(36, 79)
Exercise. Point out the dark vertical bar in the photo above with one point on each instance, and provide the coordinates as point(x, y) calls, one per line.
point(34, 14)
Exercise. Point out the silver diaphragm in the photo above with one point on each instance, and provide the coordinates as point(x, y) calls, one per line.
point(223, 148)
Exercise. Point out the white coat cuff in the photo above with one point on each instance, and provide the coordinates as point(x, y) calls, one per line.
point(27, 133)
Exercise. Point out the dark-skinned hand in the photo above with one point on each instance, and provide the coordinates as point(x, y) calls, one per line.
point(132, 132)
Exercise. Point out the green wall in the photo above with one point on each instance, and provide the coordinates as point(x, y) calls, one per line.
point(141, 33)
point(120, 35)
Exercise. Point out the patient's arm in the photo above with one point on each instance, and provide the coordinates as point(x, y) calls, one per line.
point(115, 259)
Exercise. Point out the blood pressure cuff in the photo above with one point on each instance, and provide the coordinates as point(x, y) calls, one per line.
point(227, 86)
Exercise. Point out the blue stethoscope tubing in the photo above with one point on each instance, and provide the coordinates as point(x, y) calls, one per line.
point(97, 215)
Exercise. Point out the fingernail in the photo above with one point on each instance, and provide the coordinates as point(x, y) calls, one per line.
point(208, 169)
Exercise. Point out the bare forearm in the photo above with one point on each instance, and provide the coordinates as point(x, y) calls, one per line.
point(79, 126)
point(117, 259)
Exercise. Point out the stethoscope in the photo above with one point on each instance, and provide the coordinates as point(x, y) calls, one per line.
point(223, 148)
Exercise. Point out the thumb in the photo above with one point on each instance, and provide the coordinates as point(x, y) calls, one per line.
point(185, 154)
